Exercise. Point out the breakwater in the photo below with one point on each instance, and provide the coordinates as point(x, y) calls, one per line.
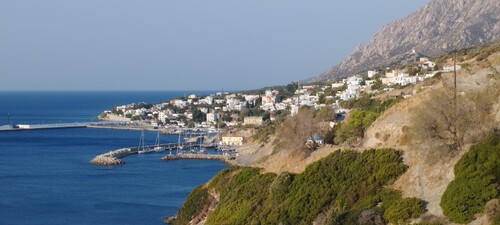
point(113, 158)
point(20, 127)
point(224, 158)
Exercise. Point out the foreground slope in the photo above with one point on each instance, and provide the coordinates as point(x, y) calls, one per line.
point(363, 185)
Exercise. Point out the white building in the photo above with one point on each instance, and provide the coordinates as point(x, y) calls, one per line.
point(391, 74)
point(234, 104)
point(294, 110)
point(252, 120)
point(428, 64)
point(232, 141)
point(178, 103)
point(220, 101)
point(404, 79)
point(280, 106)
point(212, 117)
point(353, 88)
point(372, 73)
point(269, 97)
point(207, 100)
point(251, 98)
point(451, 68)
point(204, 110)
point(337, 85)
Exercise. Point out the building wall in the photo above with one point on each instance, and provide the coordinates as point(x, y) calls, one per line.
point(232, 140)
point(252, 120)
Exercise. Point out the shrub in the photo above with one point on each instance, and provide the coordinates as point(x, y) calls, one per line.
point(194, 204)
point(355, 125)
point(346, 187)
point(476, 181)
point(402, 210)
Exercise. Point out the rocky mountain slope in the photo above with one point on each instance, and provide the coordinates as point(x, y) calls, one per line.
point(436, 28)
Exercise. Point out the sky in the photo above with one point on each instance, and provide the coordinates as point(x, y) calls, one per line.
point(181, 45)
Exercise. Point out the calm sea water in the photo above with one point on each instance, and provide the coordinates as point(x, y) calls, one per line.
point(46, 177)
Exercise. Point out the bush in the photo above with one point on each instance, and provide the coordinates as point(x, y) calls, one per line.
point(194, 204)
point(476, 181)
point(355, 125)
point(347, 187)
point(404, 209)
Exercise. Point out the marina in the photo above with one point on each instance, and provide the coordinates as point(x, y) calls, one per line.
point(47, 177)
point(181, 150)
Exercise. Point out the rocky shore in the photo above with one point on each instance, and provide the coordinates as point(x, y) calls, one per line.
point(112, 158)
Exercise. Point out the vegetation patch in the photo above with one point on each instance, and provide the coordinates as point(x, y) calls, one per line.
point(346, 187)
point(194, 204)
point(475, 183)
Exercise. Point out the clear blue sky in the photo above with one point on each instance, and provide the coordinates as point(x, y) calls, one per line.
point(180, 45)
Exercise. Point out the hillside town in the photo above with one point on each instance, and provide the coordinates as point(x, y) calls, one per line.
point(224, 109)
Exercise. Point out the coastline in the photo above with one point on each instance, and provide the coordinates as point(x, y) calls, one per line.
point(54, 162)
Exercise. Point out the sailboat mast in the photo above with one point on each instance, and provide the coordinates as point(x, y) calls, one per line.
point(141, 142)
point(157, 143)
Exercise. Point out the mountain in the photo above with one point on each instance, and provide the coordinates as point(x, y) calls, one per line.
point(436, 28)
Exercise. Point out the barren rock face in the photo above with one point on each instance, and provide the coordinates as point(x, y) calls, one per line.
point(436, 28)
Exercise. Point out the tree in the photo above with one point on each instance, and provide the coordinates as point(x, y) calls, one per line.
point(297, 129)
point(442, 121)
point(325, 114)
point(227, 117)
point(199, 116)
point(378, 84)
point(266, 116)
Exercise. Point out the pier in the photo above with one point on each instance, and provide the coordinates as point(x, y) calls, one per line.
point(225, 158)
point(20, 127)
point(113, 158)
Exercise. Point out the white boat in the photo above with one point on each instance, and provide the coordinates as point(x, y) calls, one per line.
point(157, 147)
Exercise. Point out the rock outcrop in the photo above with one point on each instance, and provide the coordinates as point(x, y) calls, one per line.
point(436, 28)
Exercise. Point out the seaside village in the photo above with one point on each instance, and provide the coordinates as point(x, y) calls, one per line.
point(251, 109)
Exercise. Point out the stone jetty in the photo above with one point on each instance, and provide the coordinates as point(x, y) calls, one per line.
point(224, 158)
point(112, 158)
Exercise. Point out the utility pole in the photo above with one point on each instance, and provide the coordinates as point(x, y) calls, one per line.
point(298, 93)
point(455, 114)
point(455, 79)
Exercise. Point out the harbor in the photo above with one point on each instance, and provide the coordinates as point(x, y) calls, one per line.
point(175, 151)
point(196, 141)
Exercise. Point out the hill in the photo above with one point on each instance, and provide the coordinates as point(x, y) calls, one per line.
point(394, 173)
point(438, 27)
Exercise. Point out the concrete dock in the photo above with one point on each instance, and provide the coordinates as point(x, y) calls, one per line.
point(113, 158)
point(224, 158)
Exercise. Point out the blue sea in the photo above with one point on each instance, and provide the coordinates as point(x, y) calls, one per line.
point(46, 177)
